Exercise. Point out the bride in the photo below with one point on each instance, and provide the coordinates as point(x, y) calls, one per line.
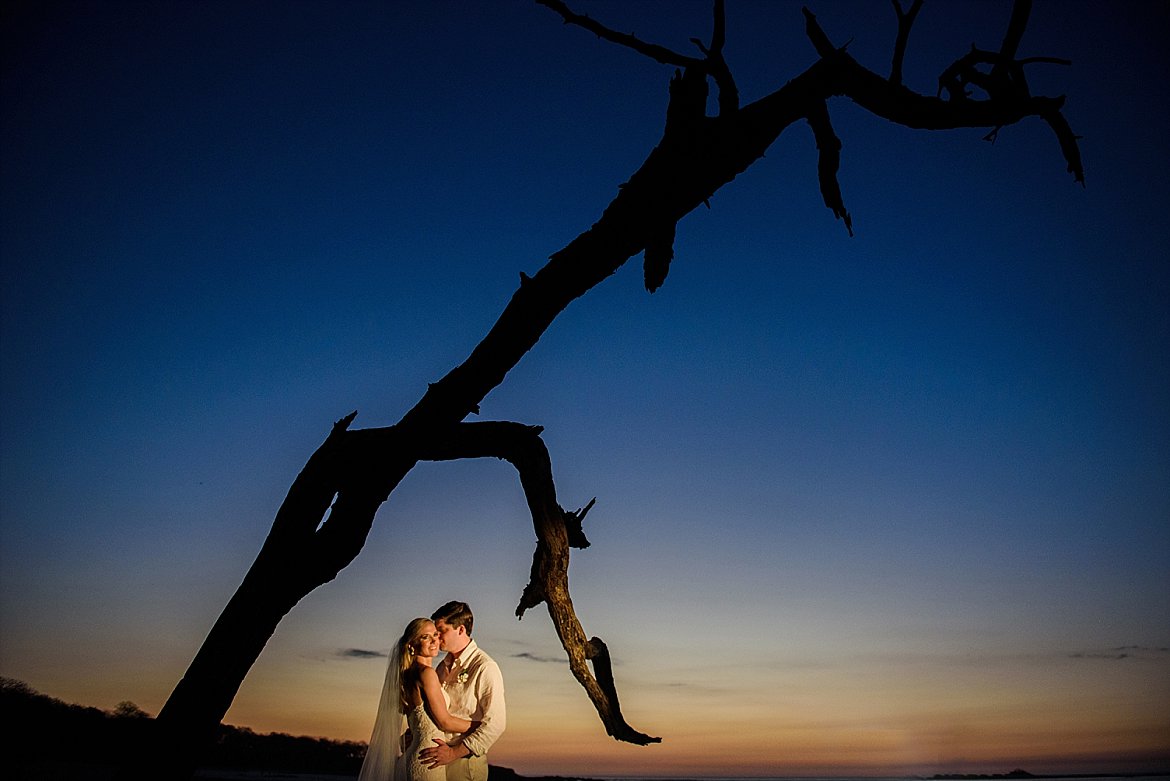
point(412, 692)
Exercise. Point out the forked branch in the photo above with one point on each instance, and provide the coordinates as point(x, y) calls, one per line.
point(716, 66)
point(905, 22)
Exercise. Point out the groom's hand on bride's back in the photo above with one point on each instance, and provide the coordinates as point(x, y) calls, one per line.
point(442, 754)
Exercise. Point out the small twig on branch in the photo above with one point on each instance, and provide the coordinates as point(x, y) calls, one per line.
point(813, 30)
point(573, 521)
point(652, 50)
point(1068, 142)
point(963, 71)
point(711, 64)
point(905, 22)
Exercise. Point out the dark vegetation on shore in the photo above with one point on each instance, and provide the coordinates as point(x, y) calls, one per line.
point(44, 729)
point(48, 738)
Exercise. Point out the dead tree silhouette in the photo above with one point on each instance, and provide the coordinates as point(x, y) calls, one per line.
point(325, 518)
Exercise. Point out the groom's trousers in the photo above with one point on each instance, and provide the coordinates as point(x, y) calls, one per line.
point(468, 769)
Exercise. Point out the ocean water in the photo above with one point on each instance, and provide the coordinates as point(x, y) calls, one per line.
point(209, 774)
point(1081, 777)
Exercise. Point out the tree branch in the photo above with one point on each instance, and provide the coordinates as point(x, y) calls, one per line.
point(657, 256)
point(1021, 10)
point(652, 50)
point(556, 531)
point(905, 22)
point(828, 162)
point(712, 64)
point(816, 34)
point(716, 65)
point(1068, 142)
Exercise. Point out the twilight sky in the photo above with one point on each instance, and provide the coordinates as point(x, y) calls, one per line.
point(896, 503)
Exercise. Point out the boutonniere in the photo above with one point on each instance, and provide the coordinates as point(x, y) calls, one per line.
point(462, 677)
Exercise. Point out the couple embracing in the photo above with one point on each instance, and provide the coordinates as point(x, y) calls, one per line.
point(436, 723)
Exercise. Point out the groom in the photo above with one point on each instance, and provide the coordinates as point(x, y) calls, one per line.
point(475, 687)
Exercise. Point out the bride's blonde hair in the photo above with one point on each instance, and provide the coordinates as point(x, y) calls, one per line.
point(412, 633)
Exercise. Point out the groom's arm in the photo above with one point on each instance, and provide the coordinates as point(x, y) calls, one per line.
point(489, 691)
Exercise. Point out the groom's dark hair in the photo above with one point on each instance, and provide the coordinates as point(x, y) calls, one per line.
point(455, 614)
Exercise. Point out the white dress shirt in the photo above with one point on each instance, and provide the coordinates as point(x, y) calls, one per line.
point(475, 690)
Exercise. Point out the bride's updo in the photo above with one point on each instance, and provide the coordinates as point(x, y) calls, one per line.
point(406, 643)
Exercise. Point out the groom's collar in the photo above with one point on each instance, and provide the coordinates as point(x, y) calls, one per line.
point(463, 655)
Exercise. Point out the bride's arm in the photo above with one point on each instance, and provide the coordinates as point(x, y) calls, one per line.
point(432, 692)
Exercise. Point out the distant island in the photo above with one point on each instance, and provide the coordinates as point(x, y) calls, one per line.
point(965, 776)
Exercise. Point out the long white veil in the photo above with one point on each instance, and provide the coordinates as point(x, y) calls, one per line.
point(386, 741)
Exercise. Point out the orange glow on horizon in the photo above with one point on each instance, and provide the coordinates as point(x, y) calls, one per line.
point(883, 717)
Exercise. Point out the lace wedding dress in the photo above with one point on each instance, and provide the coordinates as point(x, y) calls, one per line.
point(385, 759)
point(423, 731)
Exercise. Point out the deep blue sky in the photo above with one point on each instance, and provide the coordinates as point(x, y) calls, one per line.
point(895, 496)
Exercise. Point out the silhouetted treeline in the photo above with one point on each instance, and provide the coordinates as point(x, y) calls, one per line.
point(47, 738)
point(42, 731)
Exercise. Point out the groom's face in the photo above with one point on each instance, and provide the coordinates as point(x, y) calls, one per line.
point(450, 637)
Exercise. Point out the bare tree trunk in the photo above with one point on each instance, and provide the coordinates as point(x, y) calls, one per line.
point(323, 522)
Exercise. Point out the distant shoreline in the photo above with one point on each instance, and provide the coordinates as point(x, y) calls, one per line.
point(102, 741)
point(498, 773)
point(507, 774)
point(935, 777)
point(1024, 774)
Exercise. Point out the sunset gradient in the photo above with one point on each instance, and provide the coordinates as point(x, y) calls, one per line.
point(883, 505)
